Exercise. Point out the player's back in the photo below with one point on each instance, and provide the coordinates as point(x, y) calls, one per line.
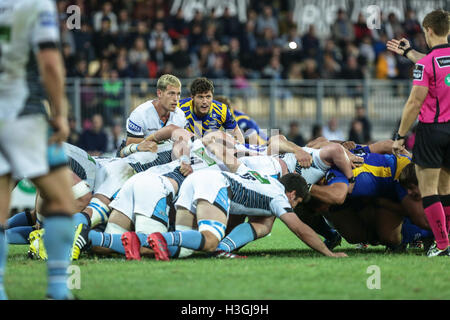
point(25, 27)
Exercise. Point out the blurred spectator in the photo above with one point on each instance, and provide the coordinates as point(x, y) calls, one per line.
point(331, 49)
point(366, 49)
point(360, 29)
point(248, 38)
point(115, 137)
point(386, 67)
point(330, 68)
point(105, 13)
point(316, 131)
point(295, 72)
point(69, 59)
point(342, 29)
point(228, 26)
point(217, 71)
point(267, 20)
point(80, 70)
point(411, 24)
point(124, 25)
point(239, 79)
point(332, 131)
point(393, 26)
point(158, 56)
point(234, 50)
point(74, 135)
point(210, 34)
point(94, 140)
point(177, 26)
point(181, 59)
point(351, 70)
point(112, 97)
point(294, 134)
point(138, 57)
point(195, 37)
point(380, 44)
point(356, 133)
point(311, 44)
point(159, 33)
point(123, 68)
point(274, 70)
point(104, 41)
point(83, 40)
point(310, 69)
point(360, 115)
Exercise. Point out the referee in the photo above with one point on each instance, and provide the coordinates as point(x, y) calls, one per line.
point(430, 100)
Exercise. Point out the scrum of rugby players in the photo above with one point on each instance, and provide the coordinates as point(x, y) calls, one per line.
point(330, 188)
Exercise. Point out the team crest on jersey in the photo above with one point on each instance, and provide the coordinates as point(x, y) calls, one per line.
point(47, 19)
point(418, 72)
point(133, 126)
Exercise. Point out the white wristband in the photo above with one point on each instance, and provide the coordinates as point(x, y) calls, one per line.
point(185, 159)
point(129, 149)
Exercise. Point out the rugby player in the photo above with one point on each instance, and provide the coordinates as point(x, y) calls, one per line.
point(204, 114)
point(155, 120)
point(29, 40)
point(208, 207)
point(430, 100)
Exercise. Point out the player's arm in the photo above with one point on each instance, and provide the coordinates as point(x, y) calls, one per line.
point(414, 210)
point(280, 144)
point(399, 47)
point(307, 235)
point(410, 113)
point(225, 155)
point(231, 124)
point(52, 71)
point(330, 194)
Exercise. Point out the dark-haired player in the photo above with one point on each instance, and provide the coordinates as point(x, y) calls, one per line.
point(204, 114)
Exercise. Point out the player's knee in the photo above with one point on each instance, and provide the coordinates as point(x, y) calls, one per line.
point(213, 232)
point(261, 230)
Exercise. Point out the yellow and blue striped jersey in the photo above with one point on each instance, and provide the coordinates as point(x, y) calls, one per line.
point(219, 117)
point(249, 126)
point(377, 177)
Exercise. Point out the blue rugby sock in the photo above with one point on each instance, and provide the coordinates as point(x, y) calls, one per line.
point(107, 240)
point(191, 239)
point(3, 258)
point(58, 240)
point(20, 219)
point(18, 235)
point(82, 218)
point(411, 232)
point(238, 237)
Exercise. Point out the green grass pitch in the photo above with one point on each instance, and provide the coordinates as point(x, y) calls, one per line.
point(279, 267)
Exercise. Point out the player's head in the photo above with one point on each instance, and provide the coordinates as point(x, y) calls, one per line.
point(296, 188)
point(202, 91)
point(168, 89)
point(436, 25)
point(408, 180)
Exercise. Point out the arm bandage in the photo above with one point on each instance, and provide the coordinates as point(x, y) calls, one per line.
point(129, 149)
point(80, 189)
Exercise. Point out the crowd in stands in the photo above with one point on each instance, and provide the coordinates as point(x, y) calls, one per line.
point(141, 39)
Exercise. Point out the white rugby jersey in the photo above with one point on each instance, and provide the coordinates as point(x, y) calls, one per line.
point(144, 120)
point(81, 163)
point(253, 148)
point(25, 26)
point(265, 165)
point(255, 194)
point(312, 174)
point(141, 161)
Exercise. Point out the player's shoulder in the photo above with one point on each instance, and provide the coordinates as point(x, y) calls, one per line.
point(220, 105)
point(144, 107)
point(185, 103)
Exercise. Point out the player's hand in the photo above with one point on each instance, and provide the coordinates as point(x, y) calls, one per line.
point(349, 145)
point(405, 152)
point(185, 169)
point(394, 45)
point(398, 146)
point(304, 158)
point(61, 129)
point(356, 161)
point(339, 255)
point(147, 145)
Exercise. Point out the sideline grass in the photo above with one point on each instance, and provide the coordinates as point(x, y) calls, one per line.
point(278, 267)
